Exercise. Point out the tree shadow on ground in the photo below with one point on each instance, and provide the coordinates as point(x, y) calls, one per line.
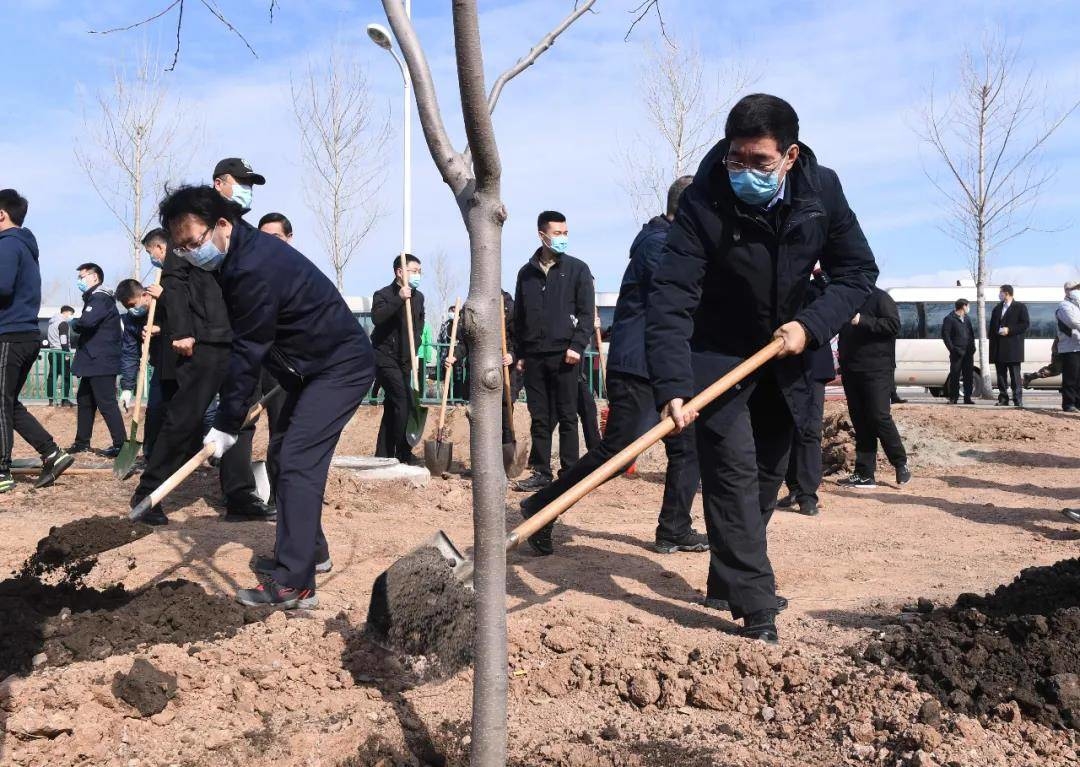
point(974, 483)
point(1027, 518)
point(1022, 458)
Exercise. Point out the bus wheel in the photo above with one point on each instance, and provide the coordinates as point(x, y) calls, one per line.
point(936, 391)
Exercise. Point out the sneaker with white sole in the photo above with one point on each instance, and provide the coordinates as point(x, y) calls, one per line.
point(273, 594)
point(857, 480)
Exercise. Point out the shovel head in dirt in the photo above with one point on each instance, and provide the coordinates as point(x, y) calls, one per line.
point(414, 427)
point(438, 454)
point(124, 465)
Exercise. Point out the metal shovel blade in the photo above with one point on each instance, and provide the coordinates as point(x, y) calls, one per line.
point(417, 421)
point(124, 464)
point(438, 456)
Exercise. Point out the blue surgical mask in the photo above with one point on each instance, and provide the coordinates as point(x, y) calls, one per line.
point(242, 195)
point(756, 187)
point(206, 256)
point(1075, 295)
point(81, 285)
point(560, 243)
point(137, 311)
point(158, 264)
point(414, 281)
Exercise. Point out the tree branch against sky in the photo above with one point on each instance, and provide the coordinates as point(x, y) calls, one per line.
point(988, 139)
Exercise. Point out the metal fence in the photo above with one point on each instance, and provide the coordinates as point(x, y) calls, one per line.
point(50, 380)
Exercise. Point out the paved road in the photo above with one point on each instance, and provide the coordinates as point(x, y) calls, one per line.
point(1034, 399)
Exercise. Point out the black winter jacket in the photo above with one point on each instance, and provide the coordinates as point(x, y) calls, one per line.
point(870, 346)
point(958, 335)
point(553, 312)
point(390, 337)
point(730, 275)
point(285, 314)
point(626, 350)
point(194, 303)
point(99, 335)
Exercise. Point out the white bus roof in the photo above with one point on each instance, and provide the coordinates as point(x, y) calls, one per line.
point(948, 295)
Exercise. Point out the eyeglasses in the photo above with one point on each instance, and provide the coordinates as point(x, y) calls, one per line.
point(738, 167)
point(182, 250)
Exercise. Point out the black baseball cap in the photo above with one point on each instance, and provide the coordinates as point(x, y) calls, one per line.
point(239, 169)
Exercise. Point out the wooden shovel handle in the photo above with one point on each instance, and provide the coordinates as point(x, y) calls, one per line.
point(144, 359)
point(448, 371)
point(409, 324)
point(185, 471)
point(612, 466)
point(506, 370)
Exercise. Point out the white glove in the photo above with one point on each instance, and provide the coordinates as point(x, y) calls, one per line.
point(221, 441)
point(125, 398)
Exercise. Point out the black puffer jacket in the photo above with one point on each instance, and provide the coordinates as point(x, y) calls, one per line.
point(626, 352)
point(870, 346)
point(553, 312)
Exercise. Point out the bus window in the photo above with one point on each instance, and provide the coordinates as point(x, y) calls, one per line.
point(935, 315)
point(1043, 321)
point(607, 316)
point(909, 319)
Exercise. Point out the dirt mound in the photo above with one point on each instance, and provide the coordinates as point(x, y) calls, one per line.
point(837, 444)
point(1015, 649)
point(82, 539)
point(145, 688)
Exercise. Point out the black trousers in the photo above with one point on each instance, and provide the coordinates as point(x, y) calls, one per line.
point(742, 464)
point(395, 382)
point(961, 367)
point(590, 419)
point(17, 359)
point(631, 414)
point(551, 392)
point(62, 369)
point(804, 465)
point(1005, 372)
point(155, 413)
point(198, 379)
point(870, 410)
point(97, 394)
point(312, 419)
point(1070, 379)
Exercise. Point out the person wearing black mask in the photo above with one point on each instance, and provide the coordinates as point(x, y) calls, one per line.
point(733, 275)
point(959, 339)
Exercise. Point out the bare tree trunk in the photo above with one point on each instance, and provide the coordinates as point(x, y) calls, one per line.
point(136, 220)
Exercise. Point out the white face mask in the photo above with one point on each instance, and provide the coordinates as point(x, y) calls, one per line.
point(1075, 295)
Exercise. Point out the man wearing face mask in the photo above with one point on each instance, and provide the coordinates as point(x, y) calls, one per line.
point(235, 180)
point(285, 314)
point(393, 366)
point(554, 311)
point(732, 276)
point(1068, 344)
point(163, 357)
point(97, 361)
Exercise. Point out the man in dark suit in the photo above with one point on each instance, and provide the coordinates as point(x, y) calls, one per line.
point(97, 362)
point(393, 364)
point(1009, 324)
point(959, 338)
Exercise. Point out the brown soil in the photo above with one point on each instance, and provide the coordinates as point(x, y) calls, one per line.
point(82, 538)
point(613, 661)
point(145, 688)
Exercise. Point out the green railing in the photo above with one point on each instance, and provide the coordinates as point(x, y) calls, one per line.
point(57, 363)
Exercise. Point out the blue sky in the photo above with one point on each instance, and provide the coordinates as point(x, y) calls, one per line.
point(855, 71)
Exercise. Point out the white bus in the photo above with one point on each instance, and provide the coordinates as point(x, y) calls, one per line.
point(921, 357)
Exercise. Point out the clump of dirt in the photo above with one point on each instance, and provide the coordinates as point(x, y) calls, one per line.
point(1019, 645)
point(837, 444)
point(81, 540)
point(145, 688)
point(418, 607)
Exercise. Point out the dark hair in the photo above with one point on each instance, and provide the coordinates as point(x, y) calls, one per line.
point(409, 259)
point(961, 303)
point(128, 290)
point(91, 267)
point(66, 308)
point(760, 114)
point(14, 204)
point(155, 235)
point(674, 192)
point(277, 218)
point(203, 202)
point(549, 216)
point(1007, 289)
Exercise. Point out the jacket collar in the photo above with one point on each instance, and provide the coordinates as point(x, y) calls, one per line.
point(535, 260)
point(242, 233)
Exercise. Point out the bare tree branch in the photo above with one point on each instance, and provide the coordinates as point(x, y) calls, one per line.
point(137, 24)
point(641, 12)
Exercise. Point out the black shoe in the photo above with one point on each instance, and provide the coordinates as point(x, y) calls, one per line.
point(67, 403)
point(78, 447)
point(1001, 403)
point(857, 480)
point(808, 507)
point(7, 482)
point(1019, 405)
point(249, 510)
point(761, 626)
point(714, 603)
point(898, 400)
point(953, 402)
point(903, 474)
point(969, 401)
point(156, 516)
point(786, 502)
point(540, 541)
point(1069, 409)
point(1071, 514)
point(535, 481)
point(1028, 378)
point(272, 594)
point(693, 541)
point(267, 565)
point(111, 452)
point(52, 466)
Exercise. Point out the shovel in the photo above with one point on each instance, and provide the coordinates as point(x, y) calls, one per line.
point(398, 611)
point(124, 464)
point(439, 454)
point(414, 426)
point(195, 462)
point(513, 463)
